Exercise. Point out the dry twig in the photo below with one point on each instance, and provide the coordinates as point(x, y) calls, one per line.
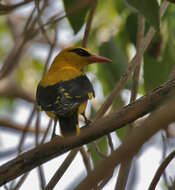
point(160, 170)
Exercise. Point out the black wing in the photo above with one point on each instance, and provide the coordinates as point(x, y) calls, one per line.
point(64, 97)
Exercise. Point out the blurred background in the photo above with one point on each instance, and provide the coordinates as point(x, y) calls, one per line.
point(32, 32)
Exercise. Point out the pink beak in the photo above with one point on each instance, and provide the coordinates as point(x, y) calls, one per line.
point(99, 59)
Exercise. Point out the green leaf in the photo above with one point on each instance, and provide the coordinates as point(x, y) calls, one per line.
point(7, 105)
point(149, 9)
point(157, 71)
point(103, 147)
point(171, 1)
point(77, 18)
point(121, 133)
point(37, 64)
point(110, 73)
point(119, 6)
point(131, 27)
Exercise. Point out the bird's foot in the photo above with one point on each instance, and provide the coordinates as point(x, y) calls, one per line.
point(87, 121)
point(54, 135)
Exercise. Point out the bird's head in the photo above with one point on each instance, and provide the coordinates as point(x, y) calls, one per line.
point(78, 57)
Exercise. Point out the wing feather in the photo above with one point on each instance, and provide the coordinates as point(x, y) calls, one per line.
point(66, 96)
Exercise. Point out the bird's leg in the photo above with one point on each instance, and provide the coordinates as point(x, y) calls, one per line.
point(54, 128)
point(87, 121)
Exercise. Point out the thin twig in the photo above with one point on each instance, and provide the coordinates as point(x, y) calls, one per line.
point(105, 181)
point(37, 127)
point(40, 21)
point(160, 119)
point(126, 166)
point(41, 177)
point(37, 156)
point(55, 19)
point(50, 52)
point(160, 170)
point(163, 157)
point(13, 126)
point(95, 146)
point(110, 142)
point(5, 187)
point(21, 181)
point(60, 172)
point(13, 58)
point(89, 22)
point(40, 169)
point(29, 21)
point(47, 131)
point(129, 69)
point(5, 9)
point(26, 129)
point(86, 159)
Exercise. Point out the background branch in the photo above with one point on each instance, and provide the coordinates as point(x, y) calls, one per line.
point(126, 165)
point(112, 122)
point(160, 170)
point(160, 119)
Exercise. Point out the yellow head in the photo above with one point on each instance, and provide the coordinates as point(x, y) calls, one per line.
point(77, 57)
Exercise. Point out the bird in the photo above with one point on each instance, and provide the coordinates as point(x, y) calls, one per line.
point(63, 92)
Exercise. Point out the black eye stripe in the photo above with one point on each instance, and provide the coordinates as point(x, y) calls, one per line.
point(80, 52)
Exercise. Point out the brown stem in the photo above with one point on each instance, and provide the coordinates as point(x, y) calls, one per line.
point(126, 165)
point(41, 177)
point(130, 68)
point(20, 182)
point(160, 170)
point(26, 129)
point(89, 22)
point(5, 9)
point(86, 159)
point(160, 119)
point(13, 126)
point(37, 156)
point(59, 173)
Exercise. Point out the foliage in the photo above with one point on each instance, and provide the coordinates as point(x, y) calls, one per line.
point(113, 34)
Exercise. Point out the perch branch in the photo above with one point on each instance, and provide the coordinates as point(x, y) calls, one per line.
point(37, 156)
point(158, 120)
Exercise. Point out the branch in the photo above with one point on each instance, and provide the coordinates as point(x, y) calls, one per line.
point(42, 153)
point(126, 166)
point(11, 89)
point(62, 169)
point(13, 58)
point(7, 124)
point(161, 170)
point(89, 22)
point(158, 120)
point(86, 159)
point(27, 125)
point(131, 67)
point(5, 9)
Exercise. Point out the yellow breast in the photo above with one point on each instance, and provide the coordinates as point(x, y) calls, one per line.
point(63, 74)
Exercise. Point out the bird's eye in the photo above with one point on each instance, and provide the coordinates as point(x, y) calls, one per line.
point(81, 52)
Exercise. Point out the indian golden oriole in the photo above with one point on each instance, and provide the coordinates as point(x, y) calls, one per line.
point(64, 90)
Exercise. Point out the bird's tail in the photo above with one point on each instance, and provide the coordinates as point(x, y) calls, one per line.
point(69, 125)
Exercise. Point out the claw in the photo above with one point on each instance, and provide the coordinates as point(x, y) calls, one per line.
point(54, 127)
point(87, 121)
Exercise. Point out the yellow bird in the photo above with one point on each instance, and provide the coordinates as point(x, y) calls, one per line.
point(64, 90)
